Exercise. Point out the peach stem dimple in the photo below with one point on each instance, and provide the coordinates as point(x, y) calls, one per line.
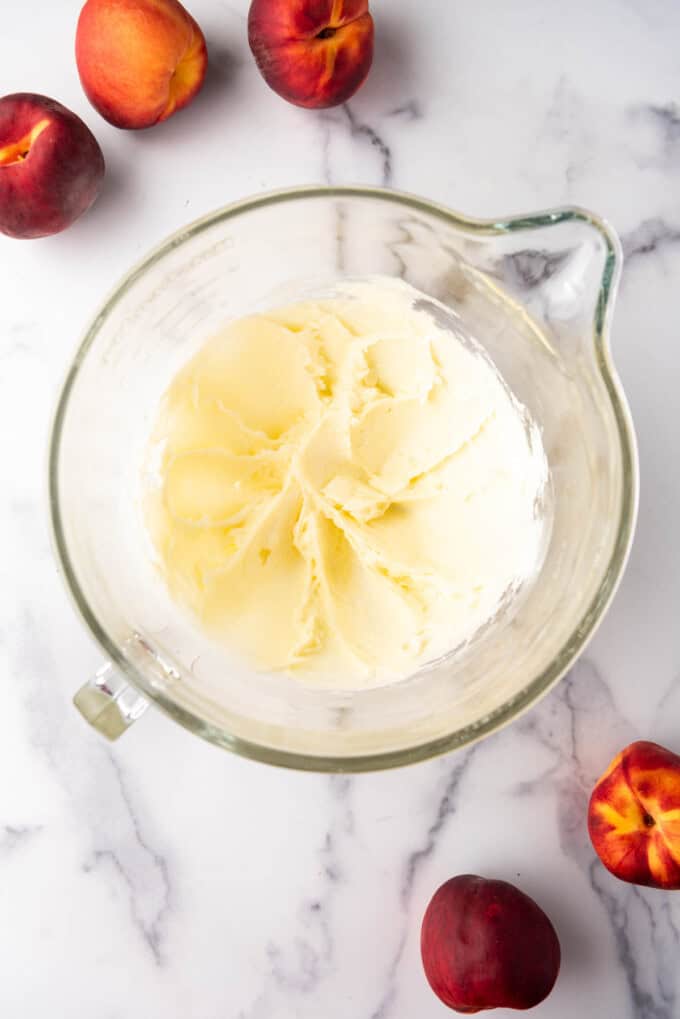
point(16, 152)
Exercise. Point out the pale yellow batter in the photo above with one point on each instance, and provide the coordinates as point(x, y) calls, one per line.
point(346, 489)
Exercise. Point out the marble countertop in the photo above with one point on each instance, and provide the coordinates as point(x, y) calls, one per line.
point(161, 877)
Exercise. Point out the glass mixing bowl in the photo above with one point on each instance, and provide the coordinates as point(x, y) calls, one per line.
point(536, 291)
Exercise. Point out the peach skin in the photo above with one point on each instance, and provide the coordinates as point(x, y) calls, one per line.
point(314, 53)
point(139, 61)
point(634, 816)
point(51, 167)
point(485, 944)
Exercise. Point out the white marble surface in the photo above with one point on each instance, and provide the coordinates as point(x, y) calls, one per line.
point(164, 878)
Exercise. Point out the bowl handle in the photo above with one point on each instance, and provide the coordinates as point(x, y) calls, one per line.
point(109, 704)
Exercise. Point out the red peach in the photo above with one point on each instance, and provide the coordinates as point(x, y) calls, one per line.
point(485, 944)
point(634, 816)
point(314, 53)
point(139, 60)
point(51, 167)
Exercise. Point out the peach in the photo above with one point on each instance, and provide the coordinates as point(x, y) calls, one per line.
point(634, 816)
point(314, 53)
point(51, 167)
point(485, 944)
point(139, 60)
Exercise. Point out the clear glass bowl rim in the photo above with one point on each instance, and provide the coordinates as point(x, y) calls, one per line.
point(539, 685)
